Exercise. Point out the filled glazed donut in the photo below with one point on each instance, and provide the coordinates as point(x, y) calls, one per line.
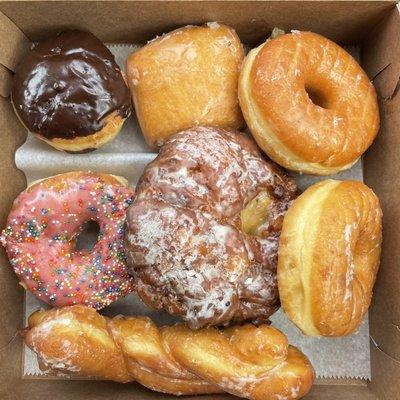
point(70, 92)
point(203, 230)
point(329, 256)
point(42, 227)
point(308, 103)
point(188, 77)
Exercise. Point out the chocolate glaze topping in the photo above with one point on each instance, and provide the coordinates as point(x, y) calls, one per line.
point(66, 86)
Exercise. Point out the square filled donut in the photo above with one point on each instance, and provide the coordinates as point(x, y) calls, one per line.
point(185, 78)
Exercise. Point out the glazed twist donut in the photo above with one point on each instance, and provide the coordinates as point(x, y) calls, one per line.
point(202, 233)
point(328, 257)
point(308, 103)
point(250, 362)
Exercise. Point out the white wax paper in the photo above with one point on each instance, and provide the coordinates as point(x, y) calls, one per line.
point(127, 155)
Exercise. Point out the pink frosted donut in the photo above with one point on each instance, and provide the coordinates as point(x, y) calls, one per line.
point(41, 232)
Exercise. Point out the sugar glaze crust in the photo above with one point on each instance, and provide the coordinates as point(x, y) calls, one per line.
point(184, 241)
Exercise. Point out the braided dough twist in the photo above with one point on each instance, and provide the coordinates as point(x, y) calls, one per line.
point(247, 361)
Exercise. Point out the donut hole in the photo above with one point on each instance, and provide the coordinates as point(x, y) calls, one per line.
point(88, 236)
point(316, 96)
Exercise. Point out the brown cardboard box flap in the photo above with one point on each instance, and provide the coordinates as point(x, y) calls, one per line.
point(134, 21)
point(386, 375)
point(381, 165)
point(11, 182)
point(13, 43)
point(137, 21)
point(5, 81)
point(382, 62)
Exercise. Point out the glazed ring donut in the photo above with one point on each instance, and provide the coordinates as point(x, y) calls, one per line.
point(308, 103)
point(40, 237)
point(329, 256)
point(202, 233)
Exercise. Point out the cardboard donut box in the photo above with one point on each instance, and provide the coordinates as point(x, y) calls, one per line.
point(372, 25)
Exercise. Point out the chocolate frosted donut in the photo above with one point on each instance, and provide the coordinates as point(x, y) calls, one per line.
point(71, 93)
point(202, 233)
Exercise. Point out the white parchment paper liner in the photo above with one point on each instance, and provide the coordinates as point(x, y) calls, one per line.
point(127, 155)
